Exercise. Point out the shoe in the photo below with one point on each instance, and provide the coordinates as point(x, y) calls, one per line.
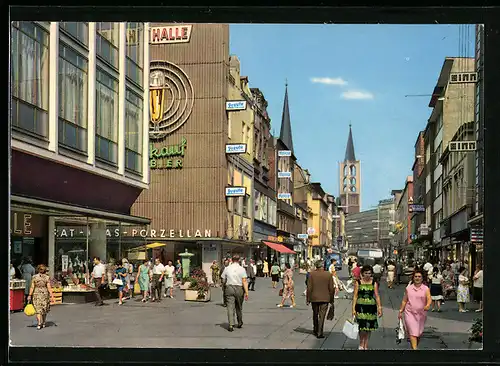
point(120, 303)
point(239, 326)
point(38, 327)
point(164, 295)
point(230, 328)
point(279, 305)
point(320, 336)
point(433, 310)
point(479, 310)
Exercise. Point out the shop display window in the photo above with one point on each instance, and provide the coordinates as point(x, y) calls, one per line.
point(71, 247)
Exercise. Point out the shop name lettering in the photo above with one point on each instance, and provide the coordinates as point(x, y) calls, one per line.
point(21, 224)
point(159, 157)
point(115, 233)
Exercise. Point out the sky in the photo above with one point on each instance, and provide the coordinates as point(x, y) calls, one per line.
point(358, 74)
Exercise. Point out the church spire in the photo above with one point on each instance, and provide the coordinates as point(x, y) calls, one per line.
point(286, 126)
point(349, 150)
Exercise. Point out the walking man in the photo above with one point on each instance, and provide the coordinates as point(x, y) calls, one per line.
point(99, 279)
point(224, 299)
point(377, 273)
point(251, 274)
point(399, 272)
point(158, 273)
point(320, 293)
point(234, 278)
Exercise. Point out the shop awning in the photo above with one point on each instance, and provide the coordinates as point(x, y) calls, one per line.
point(149, 246)
point(279, 248)
point(56, 208)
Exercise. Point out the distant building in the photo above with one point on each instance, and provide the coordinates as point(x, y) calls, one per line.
point(403, 225)
point(350, 179)
point(361, 230)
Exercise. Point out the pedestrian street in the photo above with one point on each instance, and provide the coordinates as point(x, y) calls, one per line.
point(175, 323)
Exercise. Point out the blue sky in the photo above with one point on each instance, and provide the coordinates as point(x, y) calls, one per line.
point(357, 73)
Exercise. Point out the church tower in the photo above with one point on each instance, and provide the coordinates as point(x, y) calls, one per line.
point(350, 179)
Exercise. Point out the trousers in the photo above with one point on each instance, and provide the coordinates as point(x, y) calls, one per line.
point(319, 314)
point(234, 300)
point(156, 287)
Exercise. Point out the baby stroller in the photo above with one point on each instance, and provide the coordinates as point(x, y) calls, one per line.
point(347, 288)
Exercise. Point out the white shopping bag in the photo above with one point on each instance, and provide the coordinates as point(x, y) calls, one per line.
point(351, 329)
point(400, 331)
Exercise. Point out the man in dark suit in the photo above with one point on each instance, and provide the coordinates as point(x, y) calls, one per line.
point(251, 274)
point(320, 293)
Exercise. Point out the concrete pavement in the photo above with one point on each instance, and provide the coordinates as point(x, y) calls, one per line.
point(179, 324)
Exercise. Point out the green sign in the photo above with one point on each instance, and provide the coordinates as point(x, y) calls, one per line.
point(167, 157)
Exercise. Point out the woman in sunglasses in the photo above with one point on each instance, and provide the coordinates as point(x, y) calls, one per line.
point(416, 302)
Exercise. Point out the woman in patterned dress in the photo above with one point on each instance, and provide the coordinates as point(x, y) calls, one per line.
point(40, 294)
point(463, 290)
point(288, 286)
point(366, 305)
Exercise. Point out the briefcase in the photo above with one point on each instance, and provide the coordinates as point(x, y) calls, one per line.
point(331, 312)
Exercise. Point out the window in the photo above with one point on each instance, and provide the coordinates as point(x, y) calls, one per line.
point(346, 171)
point(106, 117)
point(30, 78)
point(353, 189)
point(439, 123)
point(73, 69)
point(107, 41)
point(243, 132)
point(77, 30)
point(135, 52)
point(353, 170)
point(246, 202)
point(133, 131)
point(353, 181)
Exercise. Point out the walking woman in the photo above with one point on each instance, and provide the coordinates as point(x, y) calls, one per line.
point(215, 273)
point(416, 302)
point(27, 272)
point(288, 287)
point(265, 269)
point(275, 273)
point(462, 290)
point(478, 287)
point(437, 281)
point(143, 278)
point(40, 294)
point(178, 271)
point(391, 269)
point(121, 274)
point(366, 305)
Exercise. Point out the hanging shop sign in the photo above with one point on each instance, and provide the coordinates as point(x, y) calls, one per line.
point(276, 239)
point(311, 231)
point(476, 235)
point(171, 34)
point(283, 153)
point(284, 196)
point(236, 105)
point(26, 224)
point(236, 191)
point(236, 148)
point(463, 77)
point(458, 146)
point(416, 208)
point(284, 174)
point(79, 233)
point(302, 236)
point(161, 157)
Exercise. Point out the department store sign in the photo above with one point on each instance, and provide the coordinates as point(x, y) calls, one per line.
point(171, 34)
point(79, 232)
point(167, 157)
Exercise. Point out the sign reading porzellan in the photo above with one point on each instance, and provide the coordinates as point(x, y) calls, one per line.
point(180, 33)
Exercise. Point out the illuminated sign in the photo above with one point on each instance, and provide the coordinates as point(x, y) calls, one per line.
point(78, 232)
point(302, 236)
point(236, 105)
point(284, 174)
point(463, 77)
point(160, 157)
point(284, 196)
point(283, 153)
point(236, 191)
point(236, 148)
point(20, 224)
point(171, 34)
point(416, 208)
point(455, 146)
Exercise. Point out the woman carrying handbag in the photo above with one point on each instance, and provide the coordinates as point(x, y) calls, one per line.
point(119, 281)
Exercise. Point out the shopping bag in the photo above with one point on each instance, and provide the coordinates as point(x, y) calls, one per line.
point(137, 289)
point(117, 282)
point(30, 310)
point(400, 332)
point(351, 329)
point(331, 312)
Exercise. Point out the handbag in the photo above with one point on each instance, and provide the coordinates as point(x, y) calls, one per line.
point(29, 310)
point(280, 293)
point(137, 288)
point(117, 282)
point(400, 332)
point(351, 329)
point(331, 312)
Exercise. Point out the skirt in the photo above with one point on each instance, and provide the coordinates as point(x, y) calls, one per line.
point(436, 292)
point(463, 294)
point(275, 277)
point(477, 293)
point(169, 282)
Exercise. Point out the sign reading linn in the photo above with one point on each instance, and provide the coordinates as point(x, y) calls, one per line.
point(172, 34)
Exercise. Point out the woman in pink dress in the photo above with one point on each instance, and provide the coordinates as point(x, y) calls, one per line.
point(416, 302)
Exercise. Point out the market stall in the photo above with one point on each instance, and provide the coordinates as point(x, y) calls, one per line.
point(16, 296)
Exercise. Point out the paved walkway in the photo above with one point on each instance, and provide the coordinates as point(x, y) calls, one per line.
point(180, 324)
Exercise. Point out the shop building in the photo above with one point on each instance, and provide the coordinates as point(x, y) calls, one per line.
point(79, 117)
point(403, 236)
point(194, 185)
point(359, 230)
point(319, 225)
point(302, 194)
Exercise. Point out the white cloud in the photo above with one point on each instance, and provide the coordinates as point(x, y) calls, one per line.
point(329, 81)
point(356, 94)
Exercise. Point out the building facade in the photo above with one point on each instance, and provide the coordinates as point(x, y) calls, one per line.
point(80, 119)
point(190, 172)
point(350, 179)
point(403, 237)
point(386, 217)
point(319, 223)
point(361, 230)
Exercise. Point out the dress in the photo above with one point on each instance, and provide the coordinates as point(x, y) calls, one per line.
point(462, 290)
point(117, 275)
point(366, 307)
point(436, 287)
point(390, 273)
point(266, 267)
point(144, 277)
point(41, 296)
point(288, 285)
point(415, 314)
point(28, 271)
point(169, 276)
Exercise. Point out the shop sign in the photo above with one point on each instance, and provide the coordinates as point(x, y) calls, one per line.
point(284, 196)
point(26, 224)
point(283, 153)
point(302, 236)
point(160, 157)
point(172, 34)
point(73, 232)
point(463, 77)
point(236, 105)
point(236, 148)
point(236, 191)
point(278, 239)
point(416, 208)
point(311, 231)
point(284, 174)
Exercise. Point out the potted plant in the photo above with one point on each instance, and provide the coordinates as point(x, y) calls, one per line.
point(197, 288)
point(476, 331)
